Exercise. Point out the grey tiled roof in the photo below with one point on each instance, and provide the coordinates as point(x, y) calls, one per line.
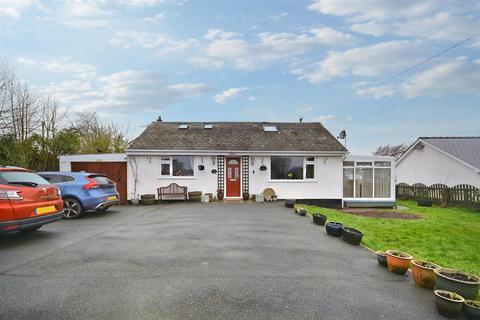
point(239, 136)
point(466, 149)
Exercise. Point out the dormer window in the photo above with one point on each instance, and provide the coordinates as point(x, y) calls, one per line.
point(208, 126)
point(269, 128)
point(183, 126)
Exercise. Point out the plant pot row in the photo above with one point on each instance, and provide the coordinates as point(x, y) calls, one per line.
point(452, 286)
point(348, 234)
point(451, 304)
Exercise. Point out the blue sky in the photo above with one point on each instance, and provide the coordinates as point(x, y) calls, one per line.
point(271, 60)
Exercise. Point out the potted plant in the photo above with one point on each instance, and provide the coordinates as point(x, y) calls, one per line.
point(398, 262)
point(301, 212)
point(382, 258)
point(220, 194)
point(147, 199)
point(289, 203)
point(245, 196)
point(464, 284)
point(319, 218)
point(423, 275)
point(201, 167)
point(334, 228)
point(449, 304)
point(472, 309)
point(351, 235)
point(263, 167)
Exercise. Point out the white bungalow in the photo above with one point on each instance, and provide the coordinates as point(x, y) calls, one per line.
point(302, 161)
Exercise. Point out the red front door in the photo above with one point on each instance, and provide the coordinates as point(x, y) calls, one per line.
point(233, 177)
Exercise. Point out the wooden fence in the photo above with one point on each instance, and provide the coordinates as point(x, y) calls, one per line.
point(463, 195)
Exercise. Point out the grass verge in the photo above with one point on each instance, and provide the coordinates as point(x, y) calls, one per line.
point(449, 237)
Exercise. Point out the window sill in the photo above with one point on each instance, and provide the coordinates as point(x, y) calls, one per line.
point(175, 178)
point(293, 181)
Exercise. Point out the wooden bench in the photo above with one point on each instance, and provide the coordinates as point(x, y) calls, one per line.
point(173, 192)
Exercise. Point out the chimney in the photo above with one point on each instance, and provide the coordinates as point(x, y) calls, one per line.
point(159, 119)
point(301, 119)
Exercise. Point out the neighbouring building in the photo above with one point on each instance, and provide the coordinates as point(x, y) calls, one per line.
point(441, 160)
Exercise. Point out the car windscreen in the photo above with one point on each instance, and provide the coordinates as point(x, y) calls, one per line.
point(101, 180)
point(23, 178)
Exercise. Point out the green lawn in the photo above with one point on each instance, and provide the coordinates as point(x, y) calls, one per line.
point(449, 237)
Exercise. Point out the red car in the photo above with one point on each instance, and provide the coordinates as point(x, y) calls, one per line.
point(27, 201)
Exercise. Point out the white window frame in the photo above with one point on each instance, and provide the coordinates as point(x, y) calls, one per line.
point(304, 177)
point(169, 161)
point(373, 167)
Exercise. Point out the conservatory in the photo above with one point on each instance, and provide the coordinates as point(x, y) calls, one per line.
point(368, 181)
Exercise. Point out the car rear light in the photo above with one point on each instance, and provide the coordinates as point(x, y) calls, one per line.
point(10, 195)
point(91, 185)
point(59, 193)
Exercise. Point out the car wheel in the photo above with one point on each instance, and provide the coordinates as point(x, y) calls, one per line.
point(103, 209)
point(32, 229)
point(72, 209)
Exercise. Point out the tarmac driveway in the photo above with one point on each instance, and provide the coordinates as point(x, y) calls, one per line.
point(198, 261)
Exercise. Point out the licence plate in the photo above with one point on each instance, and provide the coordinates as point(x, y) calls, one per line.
point(45, 210)
point(111, 198)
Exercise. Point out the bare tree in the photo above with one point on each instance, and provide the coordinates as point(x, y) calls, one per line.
point(394, 150)
point(97, 137)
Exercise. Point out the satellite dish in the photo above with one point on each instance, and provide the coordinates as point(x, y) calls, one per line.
point(342, 134)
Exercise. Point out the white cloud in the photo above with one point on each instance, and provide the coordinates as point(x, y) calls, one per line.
point(230, 48)
point(228, 94)
point(441, 26)
point(141, 3)
point(373, 9)
point(372, 28)
point(65, 65)
point(377, 92)
point(457, 76)
point(124, 92)
point(368, 61)
point(14, 8)
point(155, 18)
point(26, 61)
point(328, 118)
point(85, 8)
point(279, 16)
point(162, 43)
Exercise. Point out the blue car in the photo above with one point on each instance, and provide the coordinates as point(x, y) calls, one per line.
point(82, 191)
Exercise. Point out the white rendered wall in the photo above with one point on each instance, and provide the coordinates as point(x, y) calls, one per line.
point(326, 185)
point(430, 166)
point(328, 182)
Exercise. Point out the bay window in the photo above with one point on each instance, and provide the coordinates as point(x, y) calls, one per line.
point(177, 166)
point(292, 168)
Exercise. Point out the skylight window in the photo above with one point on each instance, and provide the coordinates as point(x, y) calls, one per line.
point(208, 126)
point(183, 126)
point(270, 128)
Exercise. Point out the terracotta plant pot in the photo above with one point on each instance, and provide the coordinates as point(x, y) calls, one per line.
point(334, 229)
point(319, 219)
point(423, 275)
point(460, 282)
point(472, 309)
point(351, 235)
point(449, 304)
point(289, 203)
point(382, 258)
point(301, 212)
point(398, 262)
